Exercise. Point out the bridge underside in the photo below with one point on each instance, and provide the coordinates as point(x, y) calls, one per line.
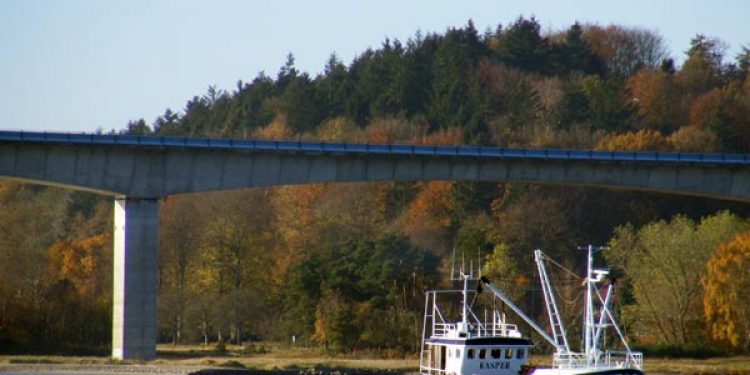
point(139, 176)
point(154, 173)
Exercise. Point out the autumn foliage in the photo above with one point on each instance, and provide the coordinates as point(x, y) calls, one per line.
point(344, 266)
point(642, 140)
point(727, 292)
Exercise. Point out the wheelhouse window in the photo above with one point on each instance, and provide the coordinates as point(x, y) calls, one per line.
point(458, 353)
point(470, 353)
point(520, 353)
point(508, 353)
point(495, 353)
point(482, 353)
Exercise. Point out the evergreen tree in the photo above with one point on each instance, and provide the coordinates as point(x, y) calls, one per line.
point(522, 46)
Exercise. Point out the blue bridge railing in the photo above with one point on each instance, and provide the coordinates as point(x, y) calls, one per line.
point(366, 148)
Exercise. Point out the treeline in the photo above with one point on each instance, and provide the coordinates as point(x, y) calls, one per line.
point(345, 266)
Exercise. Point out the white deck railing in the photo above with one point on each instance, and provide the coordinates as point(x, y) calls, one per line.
point(611, 358)
point(476, 330)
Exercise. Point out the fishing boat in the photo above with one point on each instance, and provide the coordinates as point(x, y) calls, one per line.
point(593, 359)
point(468, 345)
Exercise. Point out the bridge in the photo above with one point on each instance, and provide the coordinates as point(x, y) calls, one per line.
point(140, 170)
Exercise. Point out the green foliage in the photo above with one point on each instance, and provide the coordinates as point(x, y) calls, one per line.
point(221, 347)
point(664, 262)
point(522, 46)
point(699, 351)
point(339, 265)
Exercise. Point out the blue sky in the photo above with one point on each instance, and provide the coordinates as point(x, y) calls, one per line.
point(75, 65)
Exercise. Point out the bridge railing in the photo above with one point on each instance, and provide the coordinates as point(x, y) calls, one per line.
point(368, 148)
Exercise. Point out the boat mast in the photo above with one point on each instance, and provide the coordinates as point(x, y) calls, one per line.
point(590, 328)
point(555, 320)
point(588, 316)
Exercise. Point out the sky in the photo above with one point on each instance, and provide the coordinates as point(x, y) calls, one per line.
point(83, 65)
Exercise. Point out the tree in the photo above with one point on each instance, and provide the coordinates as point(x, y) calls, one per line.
point(725, 112)
point(334, 320)
point(694, 139)
point(232, 247)
point(654, 95)
point(701, 71)
point(607, 106)
point(255, 102)
point(664, 261)
point(300, 104)
point(167, 124)
point(334, 88)
point(575, 55)
point(727, 290)
point(626, 50)
point(531, 217)
point(501, 268)
point(179, 234)
point(429, 216)
point(457, 54)
point(78, 292)
point(522, 46)
point(642, 140)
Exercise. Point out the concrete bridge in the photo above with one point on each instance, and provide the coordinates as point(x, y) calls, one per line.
point(138, 171)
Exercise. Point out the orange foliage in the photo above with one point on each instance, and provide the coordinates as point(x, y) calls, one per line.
point(725, 111)
point(654, 94)
point(727, 292)
point(277, 129)
point(294, 207)
point(79, 262)
point(444, 137)
point(642, 140)
point(429, 213)
point(705, 110)
point(392, 130)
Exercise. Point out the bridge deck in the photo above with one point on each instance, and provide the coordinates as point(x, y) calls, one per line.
point(366, 148)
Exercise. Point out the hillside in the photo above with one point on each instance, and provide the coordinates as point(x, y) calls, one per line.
point(345, 266)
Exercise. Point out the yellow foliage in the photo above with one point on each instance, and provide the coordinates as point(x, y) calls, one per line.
point(726, 301)
point(642, 140)
point(392, 130)
point(694, 139)
point(339, 129)
point(445, 137)
point(277, 129)
point(319, 332)
point(294, 207)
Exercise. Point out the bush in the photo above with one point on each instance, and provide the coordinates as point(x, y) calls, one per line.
point(677, 351)
point(221, 347)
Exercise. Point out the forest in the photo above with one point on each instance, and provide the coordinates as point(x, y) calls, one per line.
point(344, 266)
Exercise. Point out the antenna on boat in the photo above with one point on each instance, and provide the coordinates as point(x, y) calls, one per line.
point(453, 264)
point(463, 262)
point(479, 260)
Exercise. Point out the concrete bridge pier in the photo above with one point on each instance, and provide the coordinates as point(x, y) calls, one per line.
point(135, 271)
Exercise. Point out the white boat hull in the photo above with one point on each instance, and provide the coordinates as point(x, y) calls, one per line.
point(587, 371)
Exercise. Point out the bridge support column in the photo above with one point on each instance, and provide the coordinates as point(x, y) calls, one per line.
point(135, 272)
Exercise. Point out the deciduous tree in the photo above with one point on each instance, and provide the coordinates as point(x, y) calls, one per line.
point(727, 290)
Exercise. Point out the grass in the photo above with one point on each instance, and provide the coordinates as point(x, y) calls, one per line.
point(278, 357)
point(716, 365)
point(274, 357)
